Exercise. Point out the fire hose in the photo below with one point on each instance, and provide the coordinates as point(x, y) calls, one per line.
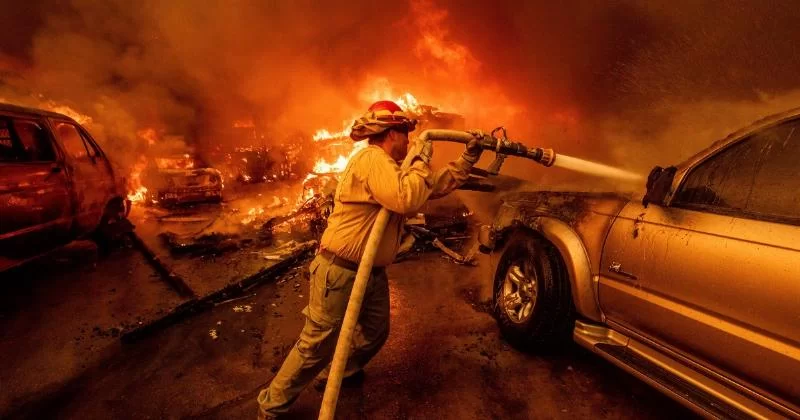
point(491, 142)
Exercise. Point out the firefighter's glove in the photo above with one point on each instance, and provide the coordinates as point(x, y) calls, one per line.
point(424, 150)
point(472, 152)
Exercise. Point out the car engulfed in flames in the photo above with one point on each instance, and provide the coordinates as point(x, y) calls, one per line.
point(180, 179)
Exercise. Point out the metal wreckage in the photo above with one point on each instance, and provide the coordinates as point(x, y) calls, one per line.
point(446, 228)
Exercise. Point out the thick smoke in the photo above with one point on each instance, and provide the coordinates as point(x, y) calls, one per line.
point(626, 82)
point(601, 72)
point(191, 69)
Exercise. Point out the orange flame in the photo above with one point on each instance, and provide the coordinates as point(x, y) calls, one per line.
point(252, 215)
point(380, 90)
point(406, 101)
point(337, 165)
point(138, 191)
point(138, 195)
point(75, 115)
point(434, 43)
point(323, 167)
point(148, 134)
point(326, 135)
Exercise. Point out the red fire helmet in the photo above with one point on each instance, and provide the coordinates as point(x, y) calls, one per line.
point(385, 106)
point(381, 116)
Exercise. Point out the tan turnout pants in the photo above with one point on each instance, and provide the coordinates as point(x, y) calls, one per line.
point(313, 351)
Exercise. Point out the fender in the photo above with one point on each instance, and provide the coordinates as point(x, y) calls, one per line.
point(583, 284)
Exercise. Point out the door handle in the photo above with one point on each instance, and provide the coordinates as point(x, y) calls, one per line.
point(55, 168)
point(616, 267)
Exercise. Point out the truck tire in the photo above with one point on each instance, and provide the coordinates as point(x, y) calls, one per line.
point(112, 226)
point(532, 298)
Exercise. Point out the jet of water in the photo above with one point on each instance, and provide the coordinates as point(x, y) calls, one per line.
point(593, 168)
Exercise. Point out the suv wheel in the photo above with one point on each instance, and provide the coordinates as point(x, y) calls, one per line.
point(113, 226)
point(532, 301)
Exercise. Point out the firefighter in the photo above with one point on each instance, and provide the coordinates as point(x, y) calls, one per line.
point(371, 180)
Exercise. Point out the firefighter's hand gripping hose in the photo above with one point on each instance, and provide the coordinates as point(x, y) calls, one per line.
point(342, 352)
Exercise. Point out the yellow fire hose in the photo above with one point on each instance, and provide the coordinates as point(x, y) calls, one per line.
point(342, 352)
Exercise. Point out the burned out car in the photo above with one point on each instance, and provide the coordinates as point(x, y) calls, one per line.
point(181, 179)
point(56, 184)
point(694, 289)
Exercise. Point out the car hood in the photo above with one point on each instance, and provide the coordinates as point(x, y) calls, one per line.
point(188, 172)
point(571, 207)
point(183, 178)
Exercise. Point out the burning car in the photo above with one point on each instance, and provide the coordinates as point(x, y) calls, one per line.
point(693, 289)
point(254, 164)
point(56, 184)
point(181, 179)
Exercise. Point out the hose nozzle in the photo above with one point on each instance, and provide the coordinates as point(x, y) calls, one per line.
point(502, 146)
point(544, 156)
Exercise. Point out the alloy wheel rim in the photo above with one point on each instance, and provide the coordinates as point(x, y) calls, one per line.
point(519, 292)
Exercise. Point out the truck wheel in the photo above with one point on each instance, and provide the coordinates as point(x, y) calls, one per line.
point(112, 227)
point(532, 300)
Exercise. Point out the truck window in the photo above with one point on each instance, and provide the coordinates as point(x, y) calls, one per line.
point(35, 142)
point(722, 183)
point(777, 180)
point(758, 177)
point(71, 140)
point(90, 146)
point(8, 152)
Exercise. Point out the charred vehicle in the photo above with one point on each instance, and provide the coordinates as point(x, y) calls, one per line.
point(56, 184)
point(261, 164)
point(181, 179)
point(694, 289)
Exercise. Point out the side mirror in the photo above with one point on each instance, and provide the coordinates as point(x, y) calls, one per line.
point(658, 184)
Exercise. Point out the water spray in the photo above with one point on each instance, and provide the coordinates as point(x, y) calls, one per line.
point(498, 142)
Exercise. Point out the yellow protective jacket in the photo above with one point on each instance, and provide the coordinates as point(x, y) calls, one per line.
point(371, 180)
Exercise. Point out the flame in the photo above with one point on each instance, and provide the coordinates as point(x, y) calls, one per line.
point(409, 103)
point(323, 167)
point(455, 58)
point(252, 215)
point(308, 194)
point(326, 135)
point(137, 191)
point(148, 134)
point(337, 165)
point(75, 115)
point(382, 90)
point(63, 109)
point(138, 195)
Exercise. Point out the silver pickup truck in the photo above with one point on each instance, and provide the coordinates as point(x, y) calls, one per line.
point(694, 287)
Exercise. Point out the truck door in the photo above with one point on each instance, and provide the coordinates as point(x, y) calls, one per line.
point(90, 173)
point(35, 212)
point(715, 274)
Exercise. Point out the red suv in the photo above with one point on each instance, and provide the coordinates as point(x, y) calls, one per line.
point(56, 184)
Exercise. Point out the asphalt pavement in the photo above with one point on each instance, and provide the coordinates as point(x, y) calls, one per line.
point(444, 358)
